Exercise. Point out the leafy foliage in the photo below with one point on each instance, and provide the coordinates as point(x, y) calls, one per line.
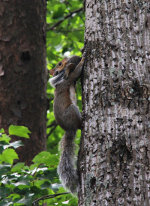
point(19, 131)
point(21, 184)
point(67, 37)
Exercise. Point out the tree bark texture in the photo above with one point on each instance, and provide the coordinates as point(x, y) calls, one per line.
point(114, 158)
point(23, 71)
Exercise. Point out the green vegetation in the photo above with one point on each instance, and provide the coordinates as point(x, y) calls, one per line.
point(65, 32)
point(21, 184)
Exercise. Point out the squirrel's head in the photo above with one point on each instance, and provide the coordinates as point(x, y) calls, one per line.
point(63, 69)
point(58, 72)
point(59, 67)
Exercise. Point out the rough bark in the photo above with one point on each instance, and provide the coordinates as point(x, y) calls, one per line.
point(115, 149)
point(23, 71)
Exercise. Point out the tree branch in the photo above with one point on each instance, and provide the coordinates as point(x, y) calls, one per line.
point(66, 17)
point(53, 126)
point(35, 202)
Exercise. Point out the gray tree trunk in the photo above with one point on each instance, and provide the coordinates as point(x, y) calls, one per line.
point(23, 74)
point(114, 159)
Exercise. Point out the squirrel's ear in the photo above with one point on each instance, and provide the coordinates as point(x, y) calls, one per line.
point(69, 69)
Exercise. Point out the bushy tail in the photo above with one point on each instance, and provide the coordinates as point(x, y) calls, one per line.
point(66, 169)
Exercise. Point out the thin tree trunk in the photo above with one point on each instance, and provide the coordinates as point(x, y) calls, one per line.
point(115, 149)
point(23, 71)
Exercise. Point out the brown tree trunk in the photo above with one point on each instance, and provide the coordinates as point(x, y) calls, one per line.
point(115, 148)
point(23, 71)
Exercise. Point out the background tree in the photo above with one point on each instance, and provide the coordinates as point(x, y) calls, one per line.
point(114, 157)
point(23, 74)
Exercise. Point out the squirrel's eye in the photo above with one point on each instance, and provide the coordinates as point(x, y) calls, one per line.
point(60, 63)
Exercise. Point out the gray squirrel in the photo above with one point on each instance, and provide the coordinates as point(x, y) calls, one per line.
point(67, 116)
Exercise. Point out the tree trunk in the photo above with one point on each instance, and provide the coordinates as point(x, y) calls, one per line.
point(23, 71)
point(114, 158)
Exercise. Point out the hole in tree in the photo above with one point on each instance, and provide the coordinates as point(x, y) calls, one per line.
point(18, 102)
point(25, 56)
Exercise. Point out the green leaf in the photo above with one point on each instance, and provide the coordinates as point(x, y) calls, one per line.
point(46, 158)
point(18, 167)
point(5, 138)
point(2, 130)
point(20, 131)
point(58, 11)
point(8, 156)
point(14, 196)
